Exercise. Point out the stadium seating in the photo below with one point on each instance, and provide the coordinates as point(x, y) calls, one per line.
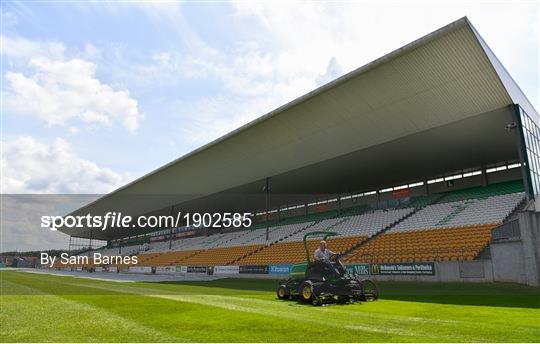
point(455, 225)
point(294, 252)
point(111, 251)
point(165, 258)
point(219, 256)
point(326, 225)
point(447, 244)
point(220, 249)
point(371, 223)
point(492, 210)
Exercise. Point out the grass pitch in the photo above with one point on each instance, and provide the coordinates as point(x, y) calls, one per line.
point(46, 308)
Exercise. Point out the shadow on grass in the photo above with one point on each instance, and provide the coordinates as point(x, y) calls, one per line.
point(473, 294)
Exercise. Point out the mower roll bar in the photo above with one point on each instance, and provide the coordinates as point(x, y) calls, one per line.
point(326, 235)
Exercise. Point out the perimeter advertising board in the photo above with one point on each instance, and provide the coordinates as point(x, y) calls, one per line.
point(181, 269)
point(254, 269)
point(165, 269)
point(140, 269)
point(197, 269)
point(281, 269)
point(226, 269)
point(403, 269)
point(358, 269)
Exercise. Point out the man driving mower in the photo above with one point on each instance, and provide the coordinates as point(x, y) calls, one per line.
point(322, 253)
point(325, 256)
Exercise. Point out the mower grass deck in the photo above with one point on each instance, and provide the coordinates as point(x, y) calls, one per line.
point(44, 308)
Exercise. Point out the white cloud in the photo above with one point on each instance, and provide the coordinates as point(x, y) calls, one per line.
point(63, 91)
point(22, 48)
point(30, 166)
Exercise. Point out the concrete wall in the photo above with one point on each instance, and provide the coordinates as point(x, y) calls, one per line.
point(507, 261)
point(529, 226)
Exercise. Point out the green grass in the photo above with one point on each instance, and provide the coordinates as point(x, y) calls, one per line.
point(46, 308)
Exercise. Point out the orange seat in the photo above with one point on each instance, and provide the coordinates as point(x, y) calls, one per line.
point(441, 244)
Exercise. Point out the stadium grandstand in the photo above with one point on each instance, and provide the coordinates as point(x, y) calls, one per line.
point(427, 155)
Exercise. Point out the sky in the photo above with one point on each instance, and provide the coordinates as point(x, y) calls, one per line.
point(95, 95)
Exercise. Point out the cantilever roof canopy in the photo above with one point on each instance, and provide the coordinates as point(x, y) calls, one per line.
point(438, 104)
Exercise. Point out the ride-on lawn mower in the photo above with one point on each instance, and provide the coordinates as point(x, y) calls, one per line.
point(322, 282)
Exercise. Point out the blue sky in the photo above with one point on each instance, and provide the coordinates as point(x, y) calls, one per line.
point(98, 94)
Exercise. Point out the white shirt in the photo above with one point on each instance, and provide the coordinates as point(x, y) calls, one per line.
point(323, 255)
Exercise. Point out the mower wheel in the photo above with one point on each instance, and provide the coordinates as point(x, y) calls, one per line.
point(282, 292)
point(305, 291)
